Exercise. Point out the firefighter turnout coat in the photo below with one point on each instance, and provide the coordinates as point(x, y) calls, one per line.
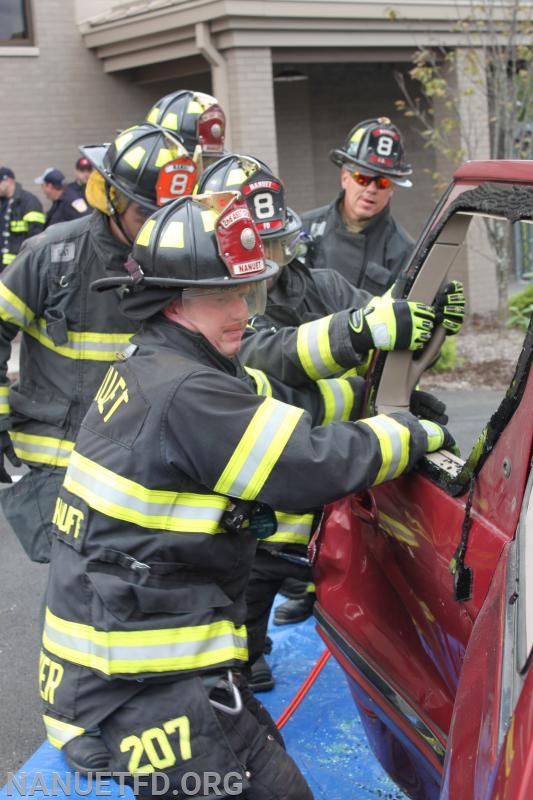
point(70, 335)
point(147, 576)
point(21, 216)
point(370, 260)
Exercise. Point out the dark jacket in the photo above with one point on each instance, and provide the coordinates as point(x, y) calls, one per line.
point(70, 335)
point(369, 260)
point(67, 207)
point(21, 216)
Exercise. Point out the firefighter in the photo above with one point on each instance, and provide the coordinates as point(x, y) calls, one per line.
point(296, 295)
point(21, 216)
point(176, 471)
point(197, 119)
point(356, 234)
point(66, 204)
point(69, 335)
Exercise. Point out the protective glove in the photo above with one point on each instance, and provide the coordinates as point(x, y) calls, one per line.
point(6, 449)
point(391, 325)
point(439, 437)
point(426, 405)
point(449, 307)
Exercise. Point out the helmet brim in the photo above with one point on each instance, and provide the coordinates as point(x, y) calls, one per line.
point(341, 159)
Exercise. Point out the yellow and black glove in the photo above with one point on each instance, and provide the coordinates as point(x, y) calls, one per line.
point(449, 307)
point(391, 325)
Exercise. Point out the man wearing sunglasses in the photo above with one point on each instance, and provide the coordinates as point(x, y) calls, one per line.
point(357, 234)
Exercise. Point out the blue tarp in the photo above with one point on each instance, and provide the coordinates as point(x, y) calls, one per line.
point(324, 735)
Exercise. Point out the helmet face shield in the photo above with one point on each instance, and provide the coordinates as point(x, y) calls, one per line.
point(244, 301)
point(283, 249)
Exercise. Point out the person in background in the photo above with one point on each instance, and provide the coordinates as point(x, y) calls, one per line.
point(357, 234)
point(83, 169)
point(69, 335)
point(66, 202)
point(21, 216)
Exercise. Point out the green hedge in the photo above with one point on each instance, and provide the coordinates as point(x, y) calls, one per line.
point(520, 308)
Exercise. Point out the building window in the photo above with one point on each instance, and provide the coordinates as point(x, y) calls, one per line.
point(15, 23)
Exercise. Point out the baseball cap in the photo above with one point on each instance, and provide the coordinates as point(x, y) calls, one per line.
point(83, 163)
point(51, 175)
point(5, 172)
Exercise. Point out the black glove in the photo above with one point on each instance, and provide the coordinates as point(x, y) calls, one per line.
point(6, 449)
point(427, 406)
point(449, 307)
point(391, 325)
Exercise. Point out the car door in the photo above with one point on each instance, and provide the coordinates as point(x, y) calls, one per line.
point(418, 587)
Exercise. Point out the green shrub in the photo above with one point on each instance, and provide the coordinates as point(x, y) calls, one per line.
point(520, 309)
point(447, 359)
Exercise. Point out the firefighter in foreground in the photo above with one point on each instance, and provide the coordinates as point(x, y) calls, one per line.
point(176, 469)
point(69, 334)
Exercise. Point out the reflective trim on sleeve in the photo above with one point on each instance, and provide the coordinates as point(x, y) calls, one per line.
point(393, 441)
point(35, 216)
point(153, 650)
point(42, 449)
point(7, 258)
point(314, 350)
point(292, 529)
point(18, 226)
point(13, 309)
point(124, 499)
point(4, 398)
point(338, 397)
point(262, 384)
point(87, 346)
point(259, 449)
point(58, 732)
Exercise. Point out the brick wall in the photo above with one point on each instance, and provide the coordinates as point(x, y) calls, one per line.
point(60, 98)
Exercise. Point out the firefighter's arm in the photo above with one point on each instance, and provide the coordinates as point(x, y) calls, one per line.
point(34, 217)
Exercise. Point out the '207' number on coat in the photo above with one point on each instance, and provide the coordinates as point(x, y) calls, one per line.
point(154, 747)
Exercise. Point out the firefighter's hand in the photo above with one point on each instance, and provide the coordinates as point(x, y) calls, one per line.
point(438, 437)
point(450, 307)
point(391, 325)
point(6, 450)
point(425, 405)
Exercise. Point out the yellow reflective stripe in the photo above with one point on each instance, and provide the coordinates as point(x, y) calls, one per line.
point(18, 226)
point(4, 399)
point(87, 346)
point(58, 732)
point(35, 216)
point(13, 309)
point(42, 449)
point(7, 258)
point(172, 235)
point(134, 156)
point(292, 529)
point(338, 397)
point(144, 235)
point(164, 156)
point(393, 438)
point(170, 120)
point(127, 500)
point(154, 650)
point(262, 384)
point(194, 106)
point(123, 139)
point(314, 350)
point(153, 114)
point(259, 449)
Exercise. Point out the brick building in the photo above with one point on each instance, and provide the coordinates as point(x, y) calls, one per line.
point(292, 75)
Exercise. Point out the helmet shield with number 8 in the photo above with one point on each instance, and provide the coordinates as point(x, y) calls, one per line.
point(376, 145)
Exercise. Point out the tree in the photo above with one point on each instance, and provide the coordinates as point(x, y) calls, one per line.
point(492, 69)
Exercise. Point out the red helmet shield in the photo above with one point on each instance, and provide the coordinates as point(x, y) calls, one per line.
point(176, 179)
point(239, 244)
point(211, 129)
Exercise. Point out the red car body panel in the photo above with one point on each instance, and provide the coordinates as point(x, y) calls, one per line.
point(424, 668)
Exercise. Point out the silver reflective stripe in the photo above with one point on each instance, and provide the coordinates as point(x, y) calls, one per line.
point(59, 732)
point(12, 309)
point(107, 492)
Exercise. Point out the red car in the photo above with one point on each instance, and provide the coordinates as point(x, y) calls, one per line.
point(425, 583)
